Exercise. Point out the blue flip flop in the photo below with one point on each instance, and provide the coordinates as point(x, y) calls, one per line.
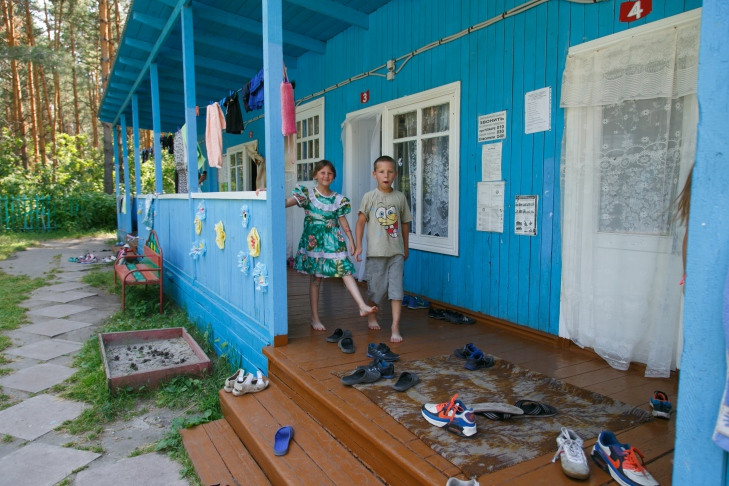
point(282, 439)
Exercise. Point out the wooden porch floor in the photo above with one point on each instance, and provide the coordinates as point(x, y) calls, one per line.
point(302, 371)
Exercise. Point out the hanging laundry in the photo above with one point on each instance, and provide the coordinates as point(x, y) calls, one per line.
point(180, 161)
point(288, 108)
point(247, 97)
point(255, 100)
point(233, 115)
point(214, 136)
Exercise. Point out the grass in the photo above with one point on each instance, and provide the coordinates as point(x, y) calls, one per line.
point(196, 398)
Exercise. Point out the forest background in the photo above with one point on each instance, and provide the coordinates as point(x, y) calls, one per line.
point(55, 60)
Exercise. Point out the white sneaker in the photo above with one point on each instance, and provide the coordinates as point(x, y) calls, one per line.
point(571, 455)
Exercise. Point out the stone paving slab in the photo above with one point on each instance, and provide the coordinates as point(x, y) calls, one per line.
point(63, 287)
point(37, 416)
point(63, 297)
point(46, 349)
point(54, 327)
point(148, 469)
point(59, 311)
point(42, 464)
point(36, 378)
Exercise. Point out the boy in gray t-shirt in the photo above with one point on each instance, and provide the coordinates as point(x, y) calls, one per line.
point(387, 212)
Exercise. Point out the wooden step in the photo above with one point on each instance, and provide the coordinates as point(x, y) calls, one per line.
point(219, 457)
point(387, 447)
point(314, 456)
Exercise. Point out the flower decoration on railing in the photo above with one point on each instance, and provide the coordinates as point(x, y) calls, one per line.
point(201, 212)
point(260, 273)
point(244, 215)
point(220, 235)
point(198, 225)
point(254, 243)
point(244, 262)
point(198, 249)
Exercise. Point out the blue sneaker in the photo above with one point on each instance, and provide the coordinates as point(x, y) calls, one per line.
point(661, 405)
point(384, 368)
point(381, 351)
point(478, 360)
point(406, 300)
point(417, 303)
point(453, 415)
point(624, 463)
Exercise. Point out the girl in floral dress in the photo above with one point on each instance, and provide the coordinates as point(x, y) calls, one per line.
point(322, 249)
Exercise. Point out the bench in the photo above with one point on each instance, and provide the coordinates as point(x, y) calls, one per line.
point(141, 269)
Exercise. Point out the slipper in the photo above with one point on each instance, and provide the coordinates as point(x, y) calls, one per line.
point(535, 409)
point(282, 439)
point(346, 344)
point(497, 411)
point(362, 375)
point(407, 379)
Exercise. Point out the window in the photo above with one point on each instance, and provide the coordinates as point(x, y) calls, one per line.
point(239, 170)
point(309, 138)
point(422, 134)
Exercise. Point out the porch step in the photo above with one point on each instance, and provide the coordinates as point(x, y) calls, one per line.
point(219, 457)
point(314, 456)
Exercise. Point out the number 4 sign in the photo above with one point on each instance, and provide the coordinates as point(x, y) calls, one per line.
point(632, 11)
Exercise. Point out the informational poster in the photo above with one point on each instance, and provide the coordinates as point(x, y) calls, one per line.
point(525, 217)
point(491, 162)
point(490, 206)
point(492, 127)
point(538, 110)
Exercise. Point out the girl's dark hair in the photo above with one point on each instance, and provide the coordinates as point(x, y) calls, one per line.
point(324, 163)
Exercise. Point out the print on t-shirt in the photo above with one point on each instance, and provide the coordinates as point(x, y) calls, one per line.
point(387, 217)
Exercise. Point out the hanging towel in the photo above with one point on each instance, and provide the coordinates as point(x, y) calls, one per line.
point(288, 109)
point(233, 115)
point(214, 135)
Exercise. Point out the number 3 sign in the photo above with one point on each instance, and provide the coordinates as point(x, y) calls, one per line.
point(632, 11)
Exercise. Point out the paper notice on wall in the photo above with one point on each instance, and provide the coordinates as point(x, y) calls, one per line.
point(492, 127)
point(490, 206)
point(491, 162)
point(525, 217)
point(538, 110)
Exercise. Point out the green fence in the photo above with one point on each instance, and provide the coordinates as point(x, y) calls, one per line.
point(45, 213)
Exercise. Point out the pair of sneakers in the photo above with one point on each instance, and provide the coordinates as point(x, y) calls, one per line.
point(452, 415)
point(415, 302)
point(475, 358)
point(381, 351)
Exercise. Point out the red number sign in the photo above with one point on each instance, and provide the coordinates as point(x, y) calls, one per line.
point(364, 96)
point(636, 10)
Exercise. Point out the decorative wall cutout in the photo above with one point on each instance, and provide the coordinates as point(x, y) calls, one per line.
point(244, 215)
point(260, 273)
point(220, 235)
point(198, 249)
point(201, 212)
point(198, 225)
point(254, 243)
point(244, 262)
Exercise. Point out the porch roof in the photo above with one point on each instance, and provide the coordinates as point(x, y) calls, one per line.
point(228, 49)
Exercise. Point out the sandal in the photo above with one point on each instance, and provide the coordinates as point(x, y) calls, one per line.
point(497, 411)
point(535, 409)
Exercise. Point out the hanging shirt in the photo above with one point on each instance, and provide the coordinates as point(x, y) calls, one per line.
point(233, 115)
point(214, 135)
point(255, 101)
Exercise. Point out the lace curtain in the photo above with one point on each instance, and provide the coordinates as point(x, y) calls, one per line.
point(631, 115)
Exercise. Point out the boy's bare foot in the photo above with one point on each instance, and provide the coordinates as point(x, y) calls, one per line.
point(395, 338)
point(365, 310)
point(318, 326)
point(372, 323)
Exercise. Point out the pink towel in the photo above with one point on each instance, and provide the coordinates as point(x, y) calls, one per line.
point(215, 124)
point(288, 109)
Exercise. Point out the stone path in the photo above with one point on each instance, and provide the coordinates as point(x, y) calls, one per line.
point(63, 315)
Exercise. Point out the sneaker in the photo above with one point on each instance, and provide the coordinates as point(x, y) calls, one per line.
point(624, 463)
point(465, 352)
point(434, 313)
point(478, 360)
point(418, 303)
point(571, 455)
point(384, 368)
point(406, 300)
point(661, 405)
point(381, 351)
point(453, 415)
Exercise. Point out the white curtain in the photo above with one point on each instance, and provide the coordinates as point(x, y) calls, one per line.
point(361, 139)
point(630, 129)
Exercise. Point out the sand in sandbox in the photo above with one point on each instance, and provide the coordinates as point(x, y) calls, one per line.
point(142, 355)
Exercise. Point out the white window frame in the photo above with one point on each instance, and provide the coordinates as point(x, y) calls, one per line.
point(308, 112)
point(450, 93)
point(247, 166)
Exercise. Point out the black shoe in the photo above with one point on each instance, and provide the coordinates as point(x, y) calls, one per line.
point(457, 317)
point(386, 370)
point(381, 351)
point(436, 313)
point(478, 360)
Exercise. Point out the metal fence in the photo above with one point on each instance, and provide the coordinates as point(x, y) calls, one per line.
point(45, 213)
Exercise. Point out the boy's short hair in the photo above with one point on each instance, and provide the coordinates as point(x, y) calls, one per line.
point(383, 158)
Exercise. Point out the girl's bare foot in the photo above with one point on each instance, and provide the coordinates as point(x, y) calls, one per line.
point(372, 323)
point(395, 338)
point(318, 326)
point(364, 311)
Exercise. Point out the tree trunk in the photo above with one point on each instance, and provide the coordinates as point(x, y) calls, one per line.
point(105, 47)
point(17, 121)
point(32, 85)
point(74, 80)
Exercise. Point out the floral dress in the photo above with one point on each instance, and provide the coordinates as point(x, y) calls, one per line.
point(323, 248)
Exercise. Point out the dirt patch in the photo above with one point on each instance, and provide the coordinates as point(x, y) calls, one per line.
point(147, 355)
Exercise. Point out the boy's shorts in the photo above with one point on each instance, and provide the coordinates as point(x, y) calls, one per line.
point(384, 277)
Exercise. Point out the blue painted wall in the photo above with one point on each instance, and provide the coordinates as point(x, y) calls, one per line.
point(703, 365)
point(511, 277)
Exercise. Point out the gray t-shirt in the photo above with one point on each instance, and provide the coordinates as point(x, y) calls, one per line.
point(385, 212)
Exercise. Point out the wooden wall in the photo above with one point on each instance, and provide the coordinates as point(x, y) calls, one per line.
point(516, 278)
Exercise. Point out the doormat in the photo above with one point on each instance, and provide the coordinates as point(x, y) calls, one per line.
point(498, 444)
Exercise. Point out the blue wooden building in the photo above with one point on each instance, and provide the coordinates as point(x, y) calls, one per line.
point(476, 101)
